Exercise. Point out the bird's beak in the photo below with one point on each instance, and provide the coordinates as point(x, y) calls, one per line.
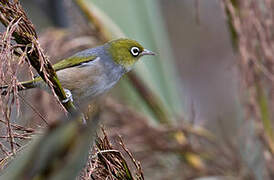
point(147, 52)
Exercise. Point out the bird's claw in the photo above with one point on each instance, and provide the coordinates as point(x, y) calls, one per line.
point(68, 95)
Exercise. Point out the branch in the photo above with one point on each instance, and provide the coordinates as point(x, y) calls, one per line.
point(25, 35)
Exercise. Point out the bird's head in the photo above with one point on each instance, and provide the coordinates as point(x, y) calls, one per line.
point(126, 52)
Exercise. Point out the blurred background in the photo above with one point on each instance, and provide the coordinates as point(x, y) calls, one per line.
point(205, 118)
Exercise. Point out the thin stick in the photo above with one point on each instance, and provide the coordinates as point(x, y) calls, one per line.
point(34, 109)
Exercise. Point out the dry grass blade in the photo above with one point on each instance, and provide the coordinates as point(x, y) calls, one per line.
point(256, 47)
point(252, 22)
point(25, 35)
point(108, 163)
point(19, 44)
point(139, 174)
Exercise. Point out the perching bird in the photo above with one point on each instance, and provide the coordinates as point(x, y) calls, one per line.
point(92, 72)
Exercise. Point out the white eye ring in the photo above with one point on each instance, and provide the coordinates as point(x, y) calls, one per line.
point(135, 51)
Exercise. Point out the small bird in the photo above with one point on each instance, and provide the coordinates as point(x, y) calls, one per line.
point(91, 72)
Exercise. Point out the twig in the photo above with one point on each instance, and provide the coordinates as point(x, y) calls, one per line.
point(25, 35)
point(136, 163)
point(18, 127)
point(34, 109)
point(10, 134)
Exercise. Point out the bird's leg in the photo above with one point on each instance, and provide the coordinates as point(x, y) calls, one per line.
point(68, 95)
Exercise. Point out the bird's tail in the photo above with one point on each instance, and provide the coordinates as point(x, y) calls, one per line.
point(22, 86)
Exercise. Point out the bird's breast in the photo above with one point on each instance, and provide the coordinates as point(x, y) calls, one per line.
point(85, 83)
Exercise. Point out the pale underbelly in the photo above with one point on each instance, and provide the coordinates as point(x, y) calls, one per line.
point(85, 87)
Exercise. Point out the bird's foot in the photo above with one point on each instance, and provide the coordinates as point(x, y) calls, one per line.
point(68, 95)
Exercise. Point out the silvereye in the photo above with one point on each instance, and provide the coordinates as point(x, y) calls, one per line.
point(92, 72)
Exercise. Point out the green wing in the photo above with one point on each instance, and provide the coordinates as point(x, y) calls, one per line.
point(66, 63)
point(73, 61)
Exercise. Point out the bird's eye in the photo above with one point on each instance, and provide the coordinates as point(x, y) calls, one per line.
point(134, 51)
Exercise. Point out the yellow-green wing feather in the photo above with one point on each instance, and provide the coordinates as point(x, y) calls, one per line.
point(73, 61)
point(66, 63)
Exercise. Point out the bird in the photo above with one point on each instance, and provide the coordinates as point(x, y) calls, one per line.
point(91, 72)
